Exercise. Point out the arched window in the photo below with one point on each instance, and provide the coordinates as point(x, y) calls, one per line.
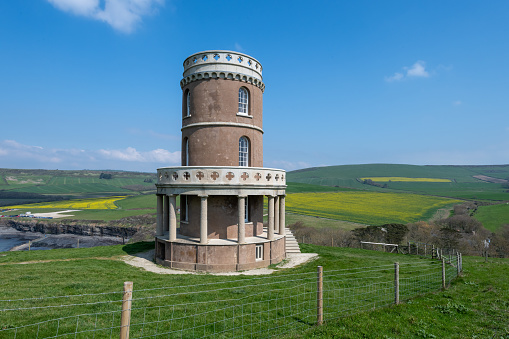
point(188, 103)
point(243, 152)
point(243, 101)
point(185, 160)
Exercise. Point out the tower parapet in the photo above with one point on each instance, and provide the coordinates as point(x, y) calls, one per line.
point(222, 65)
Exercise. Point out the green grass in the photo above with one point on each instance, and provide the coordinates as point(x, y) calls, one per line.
point(494, 216)
point(474, 305)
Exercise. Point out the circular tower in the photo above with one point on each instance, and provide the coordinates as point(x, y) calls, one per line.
point(221, 184)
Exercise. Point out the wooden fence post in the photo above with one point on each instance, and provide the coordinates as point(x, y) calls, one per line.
point(396, 283)
point(460, 261)
point(319, 297)
point(443, 273)
point(409, 251)
point(125, 321)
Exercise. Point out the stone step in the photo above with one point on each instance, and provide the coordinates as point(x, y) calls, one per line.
point(292, 246)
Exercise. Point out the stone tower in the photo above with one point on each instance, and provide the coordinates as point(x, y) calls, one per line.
point(221, 184)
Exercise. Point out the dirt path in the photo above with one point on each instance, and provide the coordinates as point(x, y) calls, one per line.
point(144, 260)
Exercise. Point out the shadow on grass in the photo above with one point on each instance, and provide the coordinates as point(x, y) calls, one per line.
point(138, 247)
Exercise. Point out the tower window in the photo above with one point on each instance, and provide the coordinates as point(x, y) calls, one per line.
point(243, 101)
point(188, 104)
point(185, 161)
point(243, 152)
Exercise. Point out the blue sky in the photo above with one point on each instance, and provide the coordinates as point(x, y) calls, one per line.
point(94, 84)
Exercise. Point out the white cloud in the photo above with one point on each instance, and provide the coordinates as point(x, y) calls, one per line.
point(417, 70)
point(131, 154)
point(395, 77)
point(289, 165)
point(457, 102)
point(122, 15)
point(16, 155)
point(239, 48)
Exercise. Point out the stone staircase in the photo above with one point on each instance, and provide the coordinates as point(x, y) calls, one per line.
point(292, 246)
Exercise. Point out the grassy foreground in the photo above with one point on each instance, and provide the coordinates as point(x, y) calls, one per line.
point(475, 305)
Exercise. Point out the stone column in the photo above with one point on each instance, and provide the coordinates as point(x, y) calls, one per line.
point(203, 220)
point(159, 228)
point(242, 219)
point(173, 218)
point(270, 228)
point(166, 215)
point(276, 214)
point(282, 215)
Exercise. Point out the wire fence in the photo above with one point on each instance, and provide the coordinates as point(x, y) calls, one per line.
point(248, 308)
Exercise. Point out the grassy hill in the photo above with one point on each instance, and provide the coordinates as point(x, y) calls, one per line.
point(462, 183)
point(27, 186)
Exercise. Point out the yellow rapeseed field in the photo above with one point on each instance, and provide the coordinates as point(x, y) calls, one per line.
point(404, 179)
point(372, 208)
point(80, 204)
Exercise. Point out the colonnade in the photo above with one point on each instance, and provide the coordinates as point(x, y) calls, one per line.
point(167, 217)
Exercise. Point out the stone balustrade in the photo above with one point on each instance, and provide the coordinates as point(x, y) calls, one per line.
point(221, 176)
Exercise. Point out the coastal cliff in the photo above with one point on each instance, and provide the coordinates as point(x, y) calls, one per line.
point(78, 229)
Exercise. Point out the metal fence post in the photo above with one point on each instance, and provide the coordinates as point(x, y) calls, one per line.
point(443, 273)
point(125, 321)
point(458, 263)
point(396, 283)
point(319, 297)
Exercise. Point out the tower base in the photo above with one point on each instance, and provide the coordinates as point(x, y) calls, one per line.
point(220, 255)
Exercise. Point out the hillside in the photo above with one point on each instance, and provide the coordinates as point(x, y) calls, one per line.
point(463, 181)
point(20, 186)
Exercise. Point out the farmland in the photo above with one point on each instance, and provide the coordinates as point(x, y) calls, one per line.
point(94, 204)
point(461, 182)
point(367, 207)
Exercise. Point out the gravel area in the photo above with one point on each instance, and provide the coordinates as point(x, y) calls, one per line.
point(145, 260)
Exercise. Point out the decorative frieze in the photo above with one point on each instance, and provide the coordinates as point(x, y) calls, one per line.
point(220, 176)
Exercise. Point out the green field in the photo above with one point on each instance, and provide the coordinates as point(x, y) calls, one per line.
point(367, 207)
point(91, 280)
point(463, 185)
point(77, 183)
point(493, 217)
